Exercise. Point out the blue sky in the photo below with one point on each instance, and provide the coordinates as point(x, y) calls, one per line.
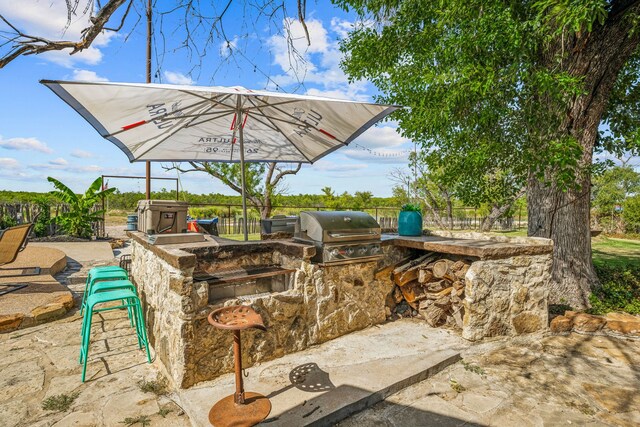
point(41, 136)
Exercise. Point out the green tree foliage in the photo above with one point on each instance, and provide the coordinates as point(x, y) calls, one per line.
point(613, 186)
point(41, 226)
point(511, 90)
point(620, 290)
point(77, 221)
point(631, 214)
point(263, 181)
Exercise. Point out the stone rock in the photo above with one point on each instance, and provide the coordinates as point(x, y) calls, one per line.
point(583, 322)
point(22, 380)
point(622, 317)
point(78, 419)
point(48, 312)
point(614, 399)
point(561, 324)
point(625, 328)
point(526, 323)
point(66, 299)
point(9, 322)
point(13, 412)
point(131, 404)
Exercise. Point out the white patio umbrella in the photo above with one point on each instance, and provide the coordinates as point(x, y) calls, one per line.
point(171, 123)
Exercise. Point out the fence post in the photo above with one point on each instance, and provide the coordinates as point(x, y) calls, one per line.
point(519, 217)
point(229, 216)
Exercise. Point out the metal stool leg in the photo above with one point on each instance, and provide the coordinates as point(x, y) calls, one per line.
point(241, 408)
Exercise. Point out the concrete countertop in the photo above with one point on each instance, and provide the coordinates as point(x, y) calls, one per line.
point(185, 254)
point(480, 248)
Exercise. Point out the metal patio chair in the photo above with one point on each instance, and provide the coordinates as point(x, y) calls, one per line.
point(12, 241)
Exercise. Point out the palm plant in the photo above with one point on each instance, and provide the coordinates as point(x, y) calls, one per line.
point(77, 221)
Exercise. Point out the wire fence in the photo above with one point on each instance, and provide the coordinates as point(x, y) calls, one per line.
point(230, 219)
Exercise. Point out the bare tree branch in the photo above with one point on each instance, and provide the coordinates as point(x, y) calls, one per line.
point(26, 44)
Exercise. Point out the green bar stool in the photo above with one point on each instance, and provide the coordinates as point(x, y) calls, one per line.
point(101, 274)
point(113, 285)
point(95, 270)
point(128, 299)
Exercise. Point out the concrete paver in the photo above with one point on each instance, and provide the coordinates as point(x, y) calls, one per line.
point(527, 381)
point(530, 381)
point(81, 252)
point(326, 383)
point(41, 362)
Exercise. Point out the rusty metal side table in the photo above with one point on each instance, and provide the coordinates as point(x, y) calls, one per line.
point(241, 408)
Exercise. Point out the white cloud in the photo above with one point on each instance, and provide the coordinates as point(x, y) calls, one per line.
point(226, 48)
point(291, 51)
point(381, 136)
point(382, 155)
point(61, 164)
point(330, 166)
point(382, 144)
point(176, 78)
point(88, 76)
point(58, 162)
point(317, 64)
point(22, 144)
point(12, 170)
point(81, 154)
point(48, 19)
point(8, 163)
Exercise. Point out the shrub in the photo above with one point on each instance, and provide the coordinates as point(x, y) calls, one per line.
point(619, 290)
point(408, 207)
point(77, 222)
point(7, 221)
point(41, 227)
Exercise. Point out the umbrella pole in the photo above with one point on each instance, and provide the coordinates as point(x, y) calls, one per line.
point(244, 190)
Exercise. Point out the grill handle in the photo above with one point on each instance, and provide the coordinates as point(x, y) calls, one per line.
point(351, 235)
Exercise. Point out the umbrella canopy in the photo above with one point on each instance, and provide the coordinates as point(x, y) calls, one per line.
point(155, 122)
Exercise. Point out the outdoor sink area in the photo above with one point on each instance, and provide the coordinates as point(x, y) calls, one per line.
point(304, 302)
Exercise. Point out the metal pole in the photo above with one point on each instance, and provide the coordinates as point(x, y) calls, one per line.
point(104, 210)
point(237, 358)
point(244, 190)
point(149, 33)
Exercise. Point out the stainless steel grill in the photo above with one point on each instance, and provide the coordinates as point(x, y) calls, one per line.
point(340, 236)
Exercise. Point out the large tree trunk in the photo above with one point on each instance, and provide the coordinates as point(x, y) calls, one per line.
point(560, 215)
point(497, 211)
point(564, 218)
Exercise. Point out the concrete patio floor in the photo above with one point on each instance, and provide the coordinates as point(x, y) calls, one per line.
point(534, 381)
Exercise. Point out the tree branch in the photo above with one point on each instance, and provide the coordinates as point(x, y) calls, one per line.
point(30, 45)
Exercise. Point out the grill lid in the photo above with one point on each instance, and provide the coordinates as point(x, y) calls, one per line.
point(334, 226)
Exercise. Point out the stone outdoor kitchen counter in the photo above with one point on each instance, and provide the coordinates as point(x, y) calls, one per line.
point(505, 294)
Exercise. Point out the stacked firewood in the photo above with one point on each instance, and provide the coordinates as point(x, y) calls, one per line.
point(432, 286)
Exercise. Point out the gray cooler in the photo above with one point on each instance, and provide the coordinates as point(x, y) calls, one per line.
point(162, 216)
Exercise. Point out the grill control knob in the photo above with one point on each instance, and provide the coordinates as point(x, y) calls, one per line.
point(347, 219)
point(334, 253)
point(362, 251)
point(375, 250)
point(350, 251)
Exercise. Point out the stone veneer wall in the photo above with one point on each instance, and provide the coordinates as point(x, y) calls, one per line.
point(503, 296)
point(323, 303)
point(506, 296)
point(169, 298)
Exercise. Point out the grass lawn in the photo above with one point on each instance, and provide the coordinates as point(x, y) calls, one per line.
point(254, 236)
point(615, 252)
